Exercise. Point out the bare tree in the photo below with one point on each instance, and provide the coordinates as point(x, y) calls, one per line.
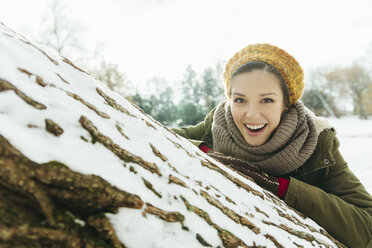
point(60, 31)
point(318, 97)
point(116, 80)
point(353, 81)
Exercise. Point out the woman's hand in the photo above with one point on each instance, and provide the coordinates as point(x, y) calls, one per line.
point(277, 185)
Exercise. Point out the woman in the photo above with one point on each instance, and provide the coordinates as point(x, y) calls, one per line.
point(265, 132)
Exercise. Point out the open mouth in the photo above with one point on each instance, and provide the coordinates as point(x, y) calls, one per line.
point(255, 129)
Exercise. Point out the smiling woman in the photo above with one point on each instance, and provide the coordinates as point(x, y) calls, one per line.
point(256, 105)
point(266, 133)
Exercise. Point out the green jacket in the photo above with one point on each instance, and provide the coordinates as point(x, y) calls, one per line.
point(324, 188)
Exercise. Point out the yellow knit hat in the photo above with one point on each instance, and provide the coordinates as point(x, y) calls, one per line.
point(284, 63)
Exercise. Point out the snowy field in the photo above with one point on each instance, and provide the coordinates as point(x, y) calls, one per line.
point(355, 137)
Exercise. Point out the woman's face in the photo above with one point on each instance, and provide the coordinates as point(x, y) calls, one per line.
point(256, 105)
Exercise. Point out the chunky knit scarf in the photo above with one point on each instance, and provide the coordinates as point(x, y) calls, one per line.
point(290, 146)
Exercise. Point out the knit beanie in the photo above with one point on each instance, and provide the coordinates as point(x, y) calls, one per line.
point(283, 62)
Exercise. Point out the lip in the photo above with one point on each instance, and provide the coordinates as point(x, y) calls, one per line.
point(250, 133)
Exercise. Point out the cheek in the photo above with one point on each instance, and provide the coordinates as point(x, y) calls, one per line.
point(235, 114)
point(276, 115)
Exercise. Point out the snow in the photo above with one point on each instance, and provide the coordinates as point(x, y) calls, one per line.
point(355, 138)
point(134, 228)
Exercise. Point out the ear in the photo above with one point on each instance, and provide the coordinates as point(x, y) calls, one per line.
point(285, 110)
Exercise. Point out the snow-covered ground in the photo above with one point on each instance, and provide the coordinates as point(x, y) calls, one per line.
point(355, 137)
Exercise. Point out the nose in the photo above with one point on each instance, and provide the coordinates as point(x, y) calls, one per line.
point(252, 111)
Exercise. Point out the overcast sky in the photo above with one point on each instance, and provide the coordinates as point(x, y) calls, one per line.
point(148, 38)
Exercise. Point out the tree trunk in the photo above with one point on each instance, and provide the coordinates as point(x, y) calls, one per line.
point(327, 107)
point(82, 167)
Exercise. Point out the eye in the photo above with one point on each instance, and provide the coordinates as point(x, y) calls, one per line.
point(267, 100)
point(239, 100)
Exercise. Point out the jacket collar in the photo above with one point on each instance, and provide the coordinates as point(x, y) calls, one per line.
point(323, 153)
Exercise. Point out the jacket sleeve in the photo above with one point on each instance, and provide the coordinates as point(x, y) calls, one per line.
point(340, 203)
point(200, 133)
point(193, 133)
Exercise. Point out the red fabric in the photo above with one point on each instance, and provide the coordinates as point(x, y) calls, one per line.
point(204, 148)
point(283, 186)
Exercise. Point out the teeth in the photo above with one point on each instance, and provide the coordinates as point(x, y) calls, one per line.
point(254, 127)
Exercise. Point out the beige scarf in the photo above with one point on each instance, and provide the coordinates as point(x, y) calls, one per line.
point(291, 145)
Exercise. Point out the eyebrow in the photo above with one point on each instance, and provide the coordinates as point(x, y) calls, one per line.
point(238, 94)
point(268, 94)
point(261, 95)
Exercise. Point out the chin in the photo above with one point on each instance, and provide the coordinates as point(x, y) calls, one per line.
point(256, 143)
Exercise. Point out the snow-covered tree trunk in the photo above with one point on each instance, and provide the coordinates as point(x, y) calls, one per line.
point(82, 167)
